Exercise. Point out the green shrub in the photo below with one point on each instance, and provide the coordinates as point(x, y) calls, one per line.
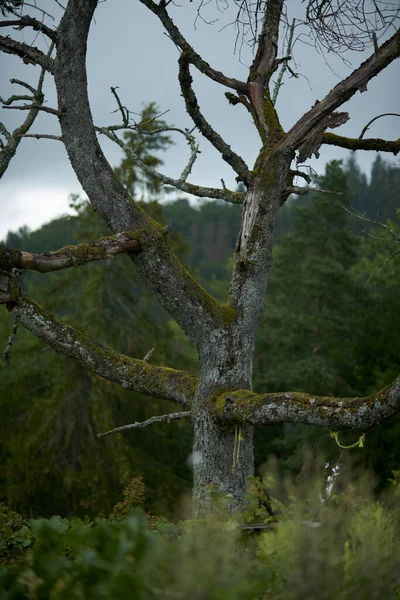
point(16, 537)
point(339, 548)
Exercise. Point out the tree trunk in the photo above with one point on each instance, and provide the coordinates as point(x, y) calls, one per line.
point(222, 460)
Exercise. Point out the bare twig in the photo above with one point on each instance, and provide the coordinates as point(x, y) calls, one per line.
point(189, 188)
point(10, 342)
point(13, 140)
point(43, 136)
point(302, 191)
point(395, 235)
point(161, 419)
point(284, 64)
point(375, 119)
point(356, 213)
point(47, 109)
point(305, 176)
point(148, 355)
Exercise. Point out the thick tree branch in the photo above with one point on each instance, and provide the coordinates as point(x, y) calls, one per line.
point(132, 374)
point(161, 11)
point(70, 256)
point(376, 144)
point(157, 419)
point(296, 407)
point(192, 107)
point(310, 128)
point(29, 54)
point(193, 309)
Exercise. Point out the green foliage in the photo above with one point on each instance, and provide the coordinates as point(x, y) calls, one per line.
point(134, 495)
point(16, 537)
point(338, 549)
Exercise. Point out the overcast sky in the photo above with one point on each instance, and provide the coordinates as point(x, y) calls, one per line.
point(127, 48)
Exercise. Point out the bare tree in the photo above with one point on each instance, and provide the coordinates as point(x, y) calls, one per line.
point(220, 402)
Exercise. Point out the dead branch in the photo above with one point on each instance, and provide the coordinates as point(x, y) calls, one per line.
point(139, 425)
point(13, 140)
point(311, 126)
point(261, 70)
point(29, 54)
point(179, 184)
point(47, 109)
point(302, 191)
point(178, 292)
point(43, 136)
point(284, 67)
point(192, 107)
point(375, 119)
point(27, 21)
point(160, 10)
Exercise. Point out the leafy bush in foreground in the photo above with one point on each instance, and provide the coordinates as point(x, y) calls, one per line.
point(339, 549)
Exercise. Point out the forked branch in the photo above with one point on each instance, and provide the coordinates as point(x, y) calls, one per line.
point(13, 139)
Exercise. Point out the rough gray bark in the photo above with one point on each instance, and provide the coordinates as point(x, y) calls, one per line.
point(223, 407)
